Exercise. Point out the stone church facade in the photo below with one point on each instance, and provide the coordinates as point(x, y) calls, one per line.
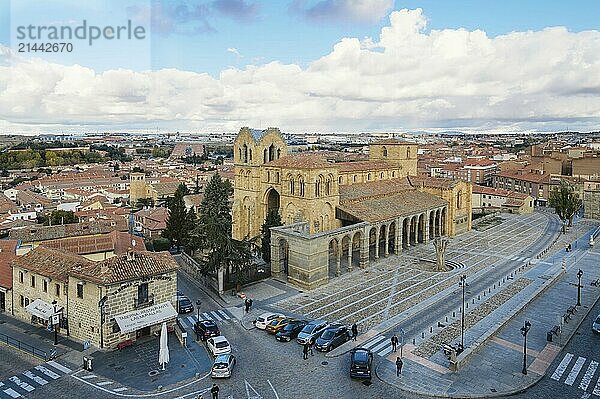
point(339, 214)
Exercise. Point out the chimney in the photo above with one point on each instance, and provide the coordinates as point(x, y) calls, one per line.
point(130, 254)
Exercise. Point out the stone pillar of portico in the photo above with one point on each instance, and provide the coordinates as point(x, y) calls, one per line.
point(338, 268)
point(426, 235)
point(439, 223)
point(350, 256)
point(364, 252)
point(398, 238)
point(377, 243)
point(387, 240)
point(414, 226)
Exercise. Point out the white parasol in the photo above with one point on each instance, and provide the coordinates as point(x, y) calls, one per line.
point(163, 354)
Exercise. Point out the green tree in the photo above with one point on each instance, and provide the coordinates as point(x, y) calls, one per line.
point(273, 219)
point(58, 217)
point(565, 202)
point(177, 230)
point(213, 232)
point(143, 202)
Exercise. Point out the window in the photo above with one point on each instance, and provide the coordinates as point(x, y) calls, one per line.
point(384, 151)
point(369, 176)
point(143, 293)
point(116, 328)
point(57, 289)
point(45, 285)
point(79, 290)
point(26, 301)
point(21, 277)
point(33, 281)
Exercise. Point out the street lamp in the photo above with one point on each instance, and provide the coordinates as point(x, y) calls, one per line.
point(55, 319)
point(524, 331)
point(462, 283)
point(198, 303)
point(579, 274)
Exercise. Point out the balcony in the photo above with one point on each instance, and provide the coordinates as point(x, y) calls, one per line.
point(143, 302)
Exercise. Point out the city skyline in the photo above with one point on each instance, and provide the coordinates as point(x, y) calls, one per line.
point(218, 65)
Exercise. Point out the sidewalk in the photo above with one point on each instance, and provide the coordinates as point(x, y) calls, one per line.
point(496, 366)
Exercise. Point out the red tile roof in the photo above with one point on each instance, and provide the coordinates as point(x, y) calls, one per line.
point(7, 254)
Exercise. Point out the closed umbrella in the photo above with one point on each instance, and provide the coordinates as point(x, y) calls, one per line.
point(163, 353)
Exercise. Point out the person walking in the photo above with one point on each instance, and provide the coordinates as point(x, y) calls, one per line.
point(398, 367)
point(247, 305)
point(215, 391)
point(354, 331)
point(305, 350)
point(311, 344)
point(394, 343)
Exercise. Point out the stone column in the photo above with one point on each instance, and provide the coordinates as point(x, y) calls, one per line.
point(338, 269)
point(414, 222)
point(398, 237)
point(439, 223)
point(386, 242)
point(350, 255)
point(364, 252)
point(377, 243)
point(426, 234)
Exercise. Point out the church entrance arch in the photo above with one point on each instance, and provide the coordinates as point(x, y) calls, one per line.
point(272, 200)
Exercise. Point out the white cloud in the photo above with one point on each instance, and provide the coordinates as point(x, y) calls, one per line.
point(407, 77)
point(234, 50)
point(366, 11)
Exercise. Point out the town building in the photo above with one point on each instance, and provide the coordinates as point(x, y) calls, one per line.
point(151, 221)
point(8, 252)
point(104, 303)
point(488, 199)
point(335, 209)
point(591, 199)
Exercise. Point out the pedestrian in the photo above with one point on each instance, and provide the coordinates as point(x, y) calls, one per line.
point(398, 367)
point(305, 350)
point(394, 343)
point(247, 304)
point(310, 347)
point(215, 391)
point(354, 331)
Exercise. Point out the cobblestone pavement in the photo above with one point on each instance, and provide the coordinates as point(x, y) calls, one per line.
point(392, 285)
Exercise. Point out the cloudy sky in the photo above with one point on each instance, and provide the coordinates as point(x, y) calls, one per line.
point(302, 65)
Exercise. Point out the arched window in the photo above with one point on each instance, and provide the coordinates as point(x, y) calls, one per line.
point(340, 180)
point(459, 200)
point(291, 185)
point(301, 186)
point(265, 156)
point(407, 152)
point(328, 186)
point(240, 150)
point(271, 152)
point(317, 188)
point(278, 153)
point(250, 152)
point(277, 178)
point(381, 175)
point(245, 153)
point(393, 174)
point(369, 176)
point(354, 178)
point(384, 151)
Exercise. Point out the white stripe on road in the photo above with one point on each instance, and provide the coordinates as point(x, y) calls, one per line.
point(35, 378)
point(587, 377)
point(104, 383)
point(87, 377)
point(373, 342)
point(380, 345)
point(120, 389)
point(21, 384)
point(12, 393)
point(216, 316)
point(597, 388)
point(575, 371)
point(59, 367)
point(48, 372)
point(224, 314)
point(205, 316)
point(384, 352)
point(562, 367)
point(191, 320)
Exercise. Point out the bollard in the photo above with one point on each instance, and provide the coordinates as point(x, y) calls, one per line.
point(473, 301)
point(494, 285)
point(423, 335)
point(430, 329)
point(479, 297)
point(483, 293)
point(453, 314)
point(467, 305)
point(489, 289)
point(413, 341)
point(446, 319)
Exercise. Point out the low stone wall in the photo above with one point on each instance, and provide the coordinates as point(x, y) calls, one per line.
point(192, 268)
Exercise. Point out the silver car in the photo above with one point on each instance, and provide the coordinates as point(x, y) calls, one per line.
point(311, 331)
point(596, 325)
point(223, 366)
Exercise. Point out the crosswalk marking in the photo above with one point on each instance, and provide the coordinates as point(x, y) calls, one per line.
point(379, 346)
point(120, 389)
point(12, 393)
point(49, 373)
point(587, 377)
point(21, 384)
point(562, 367)
point(87, 377)
point(34, 377)
point(192, 320)
point(384, 352)
point(223, 314)
point(373, 342)
point(596, 390)
point(575, 371)
point(205, 316)
point(104, 383)
point(60, 367)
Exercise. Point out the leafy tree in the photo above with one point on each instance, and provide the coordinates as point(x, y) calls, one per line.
point(158, 244)
point(177, 230)
point(58, 217)
point(565, 202)
point(143, 202)
point(273, 219)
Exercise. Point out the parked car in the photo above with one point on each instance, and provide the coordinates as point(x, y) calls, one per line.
point(361, 363)
point(311, 332)
point(218, 345)
point(223, 366)
point(332, 337)
point(596, 325)
point(290, 331)
point(264, 319)
point(277, 324)
point(184, 305)
point(206, 329)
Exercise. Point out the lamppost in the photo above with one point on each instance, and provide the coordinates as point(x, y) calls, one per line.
point(55, 319)
point(524, 331)
point(198, 303)
point(462, 283)
point(579, 274)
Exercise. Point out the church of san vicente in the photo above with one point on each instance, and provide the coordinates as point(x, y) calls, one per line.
point(339, 214)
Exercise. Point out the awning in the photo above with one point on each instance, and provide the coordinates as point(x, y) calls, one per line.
point(40, 309)
point(145, 317)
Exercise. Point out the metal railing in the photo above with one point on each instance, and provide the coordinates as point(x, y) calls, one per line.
point(20, 345)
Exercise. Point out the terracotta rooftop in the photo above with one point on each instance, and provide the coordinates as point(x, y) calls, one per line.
point(7, 254)
point(524, 176)
point(374, 188)
point(303, 160)
point(43, 233)
point(116, 241)
point(436, 182)
point(58, 265)
point(363, 166)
